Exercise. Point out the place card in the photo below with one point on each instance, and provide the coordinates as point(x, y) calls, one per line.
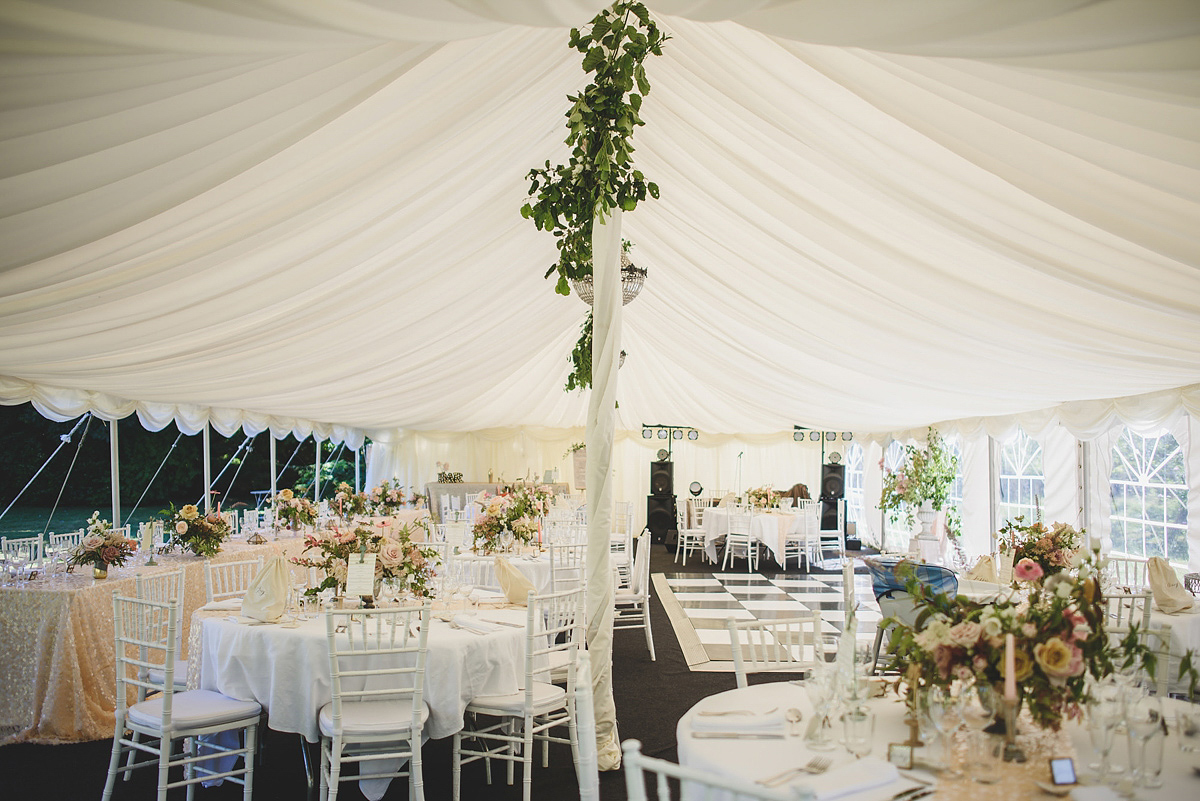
point(360, 574)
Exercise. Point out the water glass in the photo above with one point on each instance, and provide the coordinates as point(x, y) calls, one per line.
point(1187, 722)
point(1102, 719)
point(821, 695)
point(943, 710)
point(979, 703)
point(1144, 719)
point(859, 726)
point(1152, 760)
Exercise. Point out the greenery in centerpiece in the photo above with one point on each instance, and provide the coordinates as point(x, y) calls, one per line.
point(294, 510)
point(515, 511)
point(349, 504)
point(763, 497)
point(387, 498)
point(1059, 632)
point(599, 175)
point(1038, 550)
point(925, 476)
point(102, 546)
point(399, 560)
point(200, 534)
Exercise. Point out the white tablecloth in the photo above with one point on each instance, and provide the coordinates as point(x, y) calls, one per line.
point(1185, 635)
point(287, 669)
point(751, 760)
point(537, 569)
point(771, 529)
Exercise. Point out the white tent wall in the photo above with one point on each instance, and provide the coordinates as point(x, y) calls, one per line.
point(712, 460)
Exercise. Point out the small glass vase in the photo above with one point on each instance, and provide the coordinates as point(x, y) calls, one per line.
point(100, 571)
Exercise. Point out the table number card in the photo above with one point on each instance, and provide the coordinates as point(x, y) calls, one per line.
point(360, 574)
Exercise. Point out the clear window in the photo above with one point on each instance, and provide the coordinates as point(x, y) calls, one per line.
point(1149, 497)
point(1022, 478)
point(854, 483)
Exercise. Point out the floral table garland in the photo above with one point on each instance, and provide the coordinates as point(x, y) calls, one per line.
point(400, 561)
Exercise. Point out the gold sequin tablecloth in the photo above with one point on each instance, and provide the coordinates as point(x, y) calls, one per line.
point(57, 664)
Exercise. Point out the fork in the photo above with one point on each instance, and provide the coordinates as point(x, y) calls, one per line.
point(817, 764)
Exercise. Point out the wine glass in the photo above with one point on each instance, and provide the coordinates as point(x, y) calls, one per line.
point(979, 702)
point(1102, 719)
point(943, 710)
point(859, 726)
point(1144, 718)
point(820, 689)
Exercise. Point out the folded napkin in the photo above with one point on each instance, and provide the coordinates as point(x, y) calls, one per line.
point(227, 605)
point(475, 624)
point(984, 570)
point(514, 584)
point(1169, 594)
point(1097, 792)
point(266, 597)
point(478, 596)
point(854, 777)
point(727, 501)
point(752, 723)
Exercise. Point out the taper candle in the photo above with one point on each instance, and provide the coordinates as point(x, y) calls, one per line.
point(1010, 669)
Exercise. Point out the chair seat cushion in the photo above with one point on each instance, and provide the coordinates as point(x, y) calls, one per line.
point(546, 697)
point(194, 709)
point(371, 717)
point(159, 677)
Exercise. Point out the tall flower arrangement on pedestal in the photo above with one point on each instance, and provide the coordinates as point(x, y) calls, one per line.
point(200, 534)
point(399, 559)
point(294, 510)
point(925, 476)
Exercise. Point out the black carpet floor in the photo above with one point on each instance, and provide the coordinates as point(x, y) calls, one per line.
point(650, 698)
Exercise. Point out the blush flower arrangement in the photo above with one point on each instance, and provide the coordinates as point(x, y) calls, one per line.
point(400, 560)
point(387, 498)
point(349, 504)
point(763, 497)
point(200, 534)
point(1059, 634)
point(294, 510)
point(518, 511)
point(102, 546)
point(1037, 550)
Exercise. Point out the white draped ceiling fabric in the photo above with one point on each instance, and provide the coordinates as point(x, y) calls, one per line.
point(302, 216)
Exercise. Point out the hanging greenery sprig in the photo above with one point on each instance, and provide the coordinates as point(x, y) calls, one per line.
point(600, 175)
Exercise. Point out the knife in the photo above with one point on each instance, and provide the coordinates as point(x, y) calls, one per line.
point(737, 735)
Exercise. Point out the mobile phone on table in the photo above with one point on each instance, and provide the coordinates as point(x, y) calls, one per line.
point(1062, 770)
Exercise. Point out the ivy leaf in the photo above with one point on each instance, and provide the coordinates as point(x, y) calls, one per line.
point(652, 188)
point(635, 100)
point(562, 288)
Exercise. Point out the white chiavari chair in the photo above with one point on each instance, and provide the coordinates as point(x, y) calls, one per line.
point(739, 541)
point(1126, 574)
point(689, 539)
point(790, 644)
point(568, 565)
point(226, 580)
point(705, 784)
point(631, 606)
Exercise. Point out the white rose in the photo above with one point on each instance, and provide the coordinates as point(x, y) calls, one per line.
point(181, 527)
point(92, 541)
point(391, 553)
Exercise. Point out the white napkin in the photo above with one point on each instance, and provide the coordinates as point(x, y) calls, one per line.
point(1098, 792)
point(753, 723)
point(984, 570)
point(1169, 594)
point(475, 624)
point(266, 597)
point(479, 596)
point(227, 605)
point(727, 501)
point(854, 777)
point(514, 584)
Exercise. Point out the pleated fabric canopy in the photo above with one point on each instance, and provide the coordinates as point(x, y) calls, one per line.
point(303, 215)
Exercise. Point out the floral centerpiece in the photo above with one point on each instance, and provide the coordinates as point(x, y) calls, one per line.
point(348, 503)
point(102, 546)
point(516, 511)
point(200, 534)
point(387, 498)
point(293, 509)
point(925, 477)
point(399, 560)
point(1038, 550)
point(763, 497)
point(1059, 635)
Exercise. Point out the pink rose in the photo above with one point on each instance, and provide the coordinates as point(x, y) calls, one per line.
point(391, 553)
point(181, 528)
point(1028, 570)
point(92, 541)
point(966, 633)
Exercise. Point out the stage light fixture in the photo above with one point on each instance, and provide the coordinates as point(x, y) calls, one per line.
point(814, 435)
point(695, 489)
point(662, 433)
point(647, 434)
point(798, 436)
point(693, 434)
point(677, 433)
point(847, 436)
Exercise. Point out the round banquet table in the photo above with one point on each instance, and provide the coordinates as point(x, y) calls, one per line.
point(536, 569)
point(287, 669)
point(755, 759)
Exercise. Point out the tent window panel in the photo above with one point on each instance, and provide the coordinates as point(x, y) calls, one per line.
point(894, 534)
point(1022, 478)
point(855, 504)
point(1148, 486)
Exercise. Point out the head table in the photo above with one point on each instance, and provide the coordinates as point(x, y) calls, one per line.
point(756, 759)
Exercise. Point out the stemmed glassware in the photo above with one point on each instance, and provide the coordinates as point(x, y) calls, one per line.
point(1102, 719)
point(979, 703)
point(1144, 718)
point(942, 707)
point(820, 686)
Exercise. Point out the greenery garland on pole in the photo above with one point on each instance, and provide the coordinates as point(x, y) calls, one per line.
point(600, 175)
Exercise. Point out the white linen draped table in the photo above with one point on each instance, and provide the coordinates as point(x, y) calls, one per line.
point(770, 528)
point(57, 664)
point(752, 760)
point(1185, 636)
point(536, 569)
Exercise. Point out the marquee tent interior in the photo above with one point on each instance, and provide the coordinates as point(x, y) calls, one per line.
point(302, 216)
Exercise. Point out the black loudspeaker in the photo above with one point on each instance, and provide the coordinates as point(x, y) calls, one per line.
point(829, 515)
point(660, 517)
point(833, 481)
point(662, 478)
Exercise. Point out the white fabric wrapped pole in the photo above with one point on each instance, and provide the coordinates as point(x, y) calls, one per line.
point(601, 419)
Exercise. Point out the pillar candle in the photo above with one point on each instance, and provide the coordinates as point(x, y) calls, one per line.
point(1010, 669)
point(147, 537)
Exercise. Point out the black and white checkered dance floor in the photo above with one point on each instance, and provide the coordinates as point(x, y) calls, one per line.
point(698, 605)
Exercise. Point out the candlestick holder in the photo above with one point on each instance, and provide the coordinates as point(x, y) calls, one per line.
point(1012, 751)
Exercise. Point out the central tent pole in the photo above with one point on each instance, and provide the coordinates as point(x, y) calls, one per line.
point(207, 469)
point(114, 459)
point(317, 469)
point(601, 422)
